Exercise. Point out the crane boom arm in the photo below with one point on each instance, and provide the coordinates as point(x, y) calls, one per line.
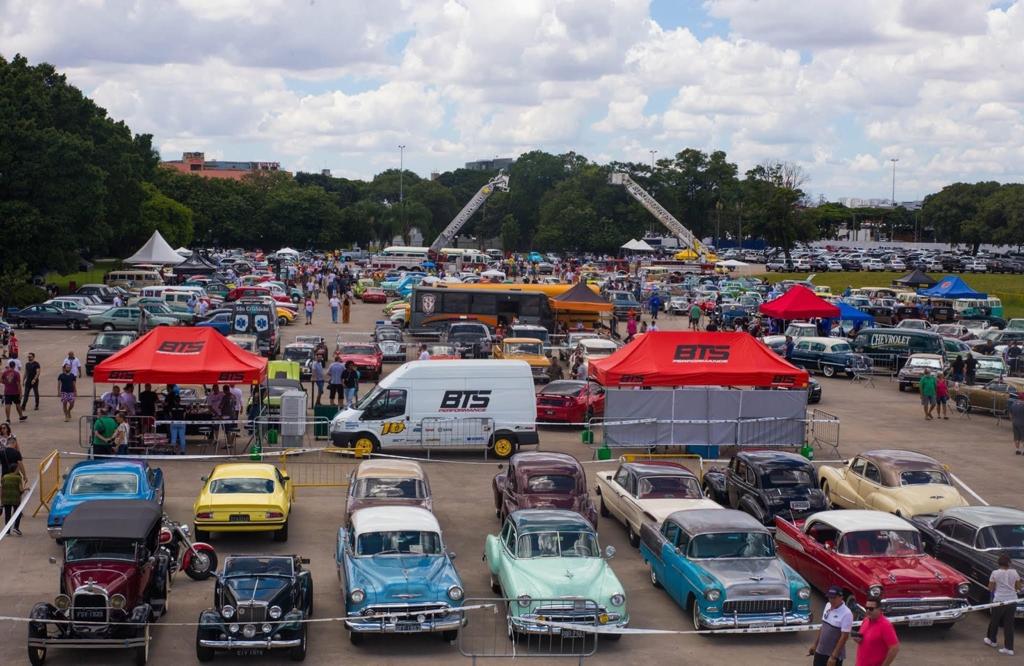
point(684, 235)
point(499, 182)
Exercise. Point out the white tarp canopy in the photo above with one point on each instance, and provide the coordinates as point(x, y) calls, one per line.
point(184, 251)
point(155, 251)
point(286, 250)
point(732, 263)
point(637, 246)
point(630, 244)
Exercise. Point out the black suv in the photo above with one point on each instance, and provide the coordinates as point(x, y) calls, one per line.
point(766, 484)
point(105, 345)
point(471, 338)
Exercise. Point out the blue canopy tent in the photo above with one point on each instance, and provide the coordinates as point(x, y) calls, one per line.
point(849, 313)
point(951, 287)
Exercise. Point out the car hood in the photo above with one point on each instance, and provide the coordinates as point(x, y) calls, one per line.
point(929, 498)
point(902, 572)
point(112, 576)
point(360, 359)
point(661, 509)
point(755, 577)
point(400, 578)
point(555, 577)
point(256, 588)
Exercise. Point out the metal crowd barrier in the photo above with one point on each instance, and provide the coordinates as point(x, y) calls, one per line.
point(441, 433)
point(49, 480)
point(823, 431)
point(329, 468)
point(488, 632)
point(886, 364)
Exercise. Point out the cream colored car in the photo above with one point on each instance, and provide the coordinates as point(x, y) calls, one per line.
point(648, 492)
point(906, 483)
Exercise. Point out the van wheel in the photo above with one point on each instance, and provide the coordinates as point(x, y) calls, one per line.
point(365, 444)
point(503, 446)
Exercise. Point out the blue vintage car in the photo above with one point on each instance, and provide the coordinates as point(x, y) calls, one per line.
point(721, 565)
point(826, 355)
point(104, 480)
point(396, 574)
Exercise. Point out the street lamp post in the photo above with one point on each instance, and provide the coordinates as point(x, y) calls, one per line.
point(894, 160)
point(401, 187)
point(653, 152)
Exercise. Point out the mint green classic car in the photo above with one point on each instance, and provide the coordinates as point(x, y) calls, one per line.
point(548, 564)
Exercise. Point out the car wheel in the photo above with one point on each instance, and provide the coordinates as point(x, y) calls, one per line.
point(963, 404)
point(36, 655)
point(902, 387)
point(200, 535)
point(828, 370)
point(298, 653)
point(604, 509)
point(142, 652)
point(826, 491)
point(503, 446)
point(68, 324)
point(654, 578)
point(108, 327)
point(695, 615)
point(634, 538)
point(281, 535)
point(449, 636)
point(77, 325)
point(355, 637)
point(365, 444)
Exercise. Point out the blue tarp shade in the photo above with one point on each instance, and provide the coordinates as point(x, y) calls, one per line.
point(951, 287)
point(849, 313)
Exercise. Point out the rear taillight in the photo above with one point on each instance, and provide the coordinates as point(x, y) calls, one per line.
point(204, 515)
point(274, 514)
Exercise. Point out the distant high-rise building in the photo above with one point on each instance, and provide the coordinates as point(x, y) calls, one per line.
point(495, 164)
point(196, 163)
point(325, 172)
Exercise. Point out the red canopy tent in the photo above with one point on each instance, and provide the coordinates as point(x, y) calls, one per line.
point(799, 303)
point(696, 358)
point(180, 355)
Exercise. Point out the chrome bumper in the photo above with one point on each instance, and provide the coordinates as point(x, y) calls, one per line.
point(526, 624)
point(951, 607)
point(390, 625)
point(249, 644)
point(54, 532)
point(758, 620)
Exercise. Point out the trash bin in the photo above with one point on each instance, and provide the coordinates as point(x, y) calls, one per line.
point(706, 452)
point(272, 437)
point(322, 428)
point(587, 436)
point(604, 453)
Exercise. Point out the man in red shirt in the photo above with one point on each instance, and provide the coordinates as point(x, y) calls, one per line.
point(11, 379)
point(877, 638)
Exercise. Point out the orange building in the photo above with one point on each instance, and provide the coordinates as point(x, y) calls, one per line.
point(196, 163)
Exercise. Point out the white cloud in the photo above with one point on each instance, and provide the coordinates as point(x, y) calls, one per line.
point(864, 162)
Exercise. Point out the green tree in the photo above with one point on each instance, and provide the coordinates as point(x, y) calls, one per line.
point(952, 212)
point(509, 234)
point(772, 209)
point(161, 213)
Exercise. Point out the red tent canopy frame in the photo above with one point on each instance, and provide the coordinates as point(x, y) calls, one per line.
point(696, 358)
point(799, 303)
point(180, 355)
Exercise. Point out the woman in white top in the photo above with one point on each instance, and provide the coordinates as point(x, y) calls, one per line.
point(1004, 583)
point(7, 437)
point(121, 434)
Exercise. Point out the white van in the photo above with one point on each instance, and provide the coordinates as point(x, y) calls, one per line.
point(445, 404)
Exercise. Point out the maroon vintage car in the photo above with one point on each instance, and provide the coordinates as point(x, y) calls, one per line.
point(873, 555)
point(542, 480)
point(388, 483)
point(113, 583)
point(366, 355)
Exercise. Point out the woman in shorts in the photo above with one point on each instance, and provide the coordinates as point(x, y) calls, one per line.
point(68, 389)
point(941, 397)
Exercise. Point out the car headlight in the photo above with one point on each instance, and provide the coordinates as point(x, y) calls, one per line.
point(875, 591)
point(228, 611)
point(524, 600)
point(618, 599)
point(274, 612)
point(713, 594)
point(357, 595)
point(455, 592)
point(117, 602)
point(62, 602)
point(804, 593)
point(249, 630)
point(963, 588)
point(233, 627)
point(266, 628)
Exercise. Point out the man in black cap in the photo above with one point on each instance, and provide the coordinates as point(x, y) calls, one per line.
point(829, 647)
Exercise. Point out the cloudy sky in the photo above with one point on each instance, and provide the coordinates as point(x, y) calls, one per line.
point(837, 86)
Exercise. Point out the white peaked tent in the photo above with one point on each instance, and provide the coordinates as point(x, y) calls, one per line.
point(637, 246)
point(155, 251)
point(184, 251)
point(287, 250)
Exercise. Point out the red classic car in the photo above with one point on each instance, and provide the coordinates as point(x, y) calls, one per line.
point(247, 292)
point(374, 295)
point(569, 401)
point(443, 352)
point(542, 480)
point(367, 356)
point(872, 555)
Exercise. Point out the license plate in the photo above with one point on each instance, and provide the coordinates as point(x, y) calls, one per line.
point(799, 506)
point(249, 652)
point(760, 625)
point(549, 412)
point(572, 633)
point(407, 627)
point(921, 623)
point(239, 518)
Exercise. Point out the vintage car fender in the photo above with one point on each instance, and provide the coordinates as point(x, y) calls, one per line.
point(752, 505)
point(492, 547)
point(715, 485)
point(498, 489)
point(836, 479)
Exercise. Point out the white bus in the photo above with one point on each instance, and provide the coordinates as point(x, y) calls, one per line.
point(400, 258)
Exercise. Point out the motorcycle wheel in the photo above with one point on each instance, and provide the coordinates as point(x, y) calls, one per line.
point(202, 565)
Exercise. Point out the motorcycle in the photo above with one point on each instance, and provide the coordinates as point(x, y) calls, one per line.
point(197, 559)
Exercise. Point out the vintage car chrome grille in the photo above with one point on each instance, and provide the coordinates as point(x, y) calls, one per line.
point(251, 612)
point(89, 607)
point(908, 606)
point(580, 613)
point(377, 610)
point(757, 606)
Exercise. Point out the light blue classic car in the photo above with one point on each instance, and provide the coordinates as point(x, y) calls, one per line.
point(104, 480)
point(721, 565)
point(396, 574)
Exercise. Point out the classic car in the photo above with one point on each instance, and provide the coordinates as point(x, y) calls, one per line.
point(243, 497)
point(472, 338)
point(954, 348)
point(902, 482)
point(48, 315)
point(542, 480)
point(971, 538)
point(256, 291)
point(796, 330)
point(96, 480)
point(813, 391)
point(958, 331)
point(872, 555)
point(721, 566)
point(158, 308)
point(990, 368)
point(647, 492)
point(592, 349)
point(550, 562)
point(572, 341)
point(443, 352)
point(362, 285)
point(259, 603)
point(570, 401)
point(910, 374)
point(825, 355)
point(77, 305)
point(368, 358)
point(126, 318)
point(105, 345)
point(374, 295)
point(388, 483)
point(766, 484)
point(301, 354)
point(390, 342)
point(219, 321)
point(396, 575)
point(530, 350)
point(311, 340)
point(114, 577)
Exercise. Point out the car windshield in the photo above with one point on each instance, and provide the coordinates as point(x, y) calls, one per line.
point(552, 484)
point(880, 543)
point(297, 354)
point(98, 549)
point(558, 544)
point(104, 484)
point(1002, 537)
point(920, 477)
point(357, 350)
point(263, 566)
point(377, 488)
point(532, 348)
point(241, 485)
point(786, 477)
point(926, 363)
point(719, 545)
point(112, 340)
point(668, 487)
point(441, 350)
point(991, 364)
point(404, 542)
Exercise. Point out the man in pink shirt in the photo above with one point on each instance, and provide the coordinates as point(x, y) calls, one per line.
point(877, 638)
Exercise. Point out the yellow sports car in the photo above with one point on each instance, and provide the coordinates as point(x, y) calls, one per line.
point(244, 497)
point(285, 316)
point(906, 483)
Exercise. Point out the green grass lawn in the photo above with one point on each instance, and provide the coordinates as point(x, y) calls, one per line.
point(94, 276)
point(1009, 288)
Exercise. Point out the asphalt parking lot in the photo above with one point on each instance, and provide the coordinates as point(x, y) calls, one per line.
point(978, 450)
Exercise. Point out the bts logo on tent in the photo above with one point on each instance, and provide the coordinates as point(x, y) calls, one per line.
point(702, 353)
point(180, 348)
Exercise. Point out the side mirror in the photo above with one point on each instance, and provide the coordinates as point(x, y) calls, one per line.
point(609, 552)
point(285, 478)
point(451, 555)
point(204, 478)
point(679, 550)
point(304, 560)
